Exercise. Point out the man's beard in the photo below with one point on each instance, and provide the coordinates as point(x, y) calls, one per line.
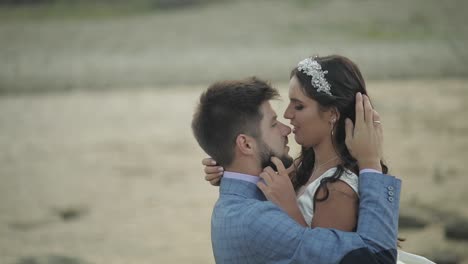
point(265, 157)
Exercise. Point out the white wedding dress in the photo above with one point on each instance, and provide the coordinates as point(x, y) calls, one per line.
point(305, 201)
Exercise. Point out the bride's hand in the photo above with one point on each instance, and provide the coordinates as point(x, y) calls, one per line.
point(277, 188)
point(213, 173)
point(291, 171)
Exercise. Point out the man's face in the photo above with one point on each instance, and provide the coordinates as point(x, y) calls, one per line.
point(274, 138)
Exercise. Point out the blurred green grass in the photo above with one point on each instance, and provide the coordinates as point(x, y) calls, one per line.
point(62, 11)
point(86, 9)
point(123, 45)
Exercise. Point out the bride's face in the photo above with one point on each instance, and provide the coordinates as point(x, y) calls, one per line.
point(311, 125)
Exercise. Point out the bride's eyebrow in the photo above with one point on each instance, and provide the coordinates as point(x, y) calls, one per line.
point(294, 100)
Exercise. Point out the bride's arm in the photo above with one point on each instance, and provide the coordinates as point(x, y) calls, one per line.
point(339, 210)
point(213, 172)
point(277, 187)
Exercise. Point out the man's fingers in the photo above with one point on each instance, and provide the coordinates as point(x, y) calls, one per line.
point(279, 166)
point(359, 110)
point(208, 162)
point(376, 116)
point(377, 122)
point(368, 111)
point(349, 130)
point(378, 126)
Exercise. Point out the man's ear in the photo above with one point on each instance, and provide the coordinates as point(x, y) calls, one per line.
point(245, 144)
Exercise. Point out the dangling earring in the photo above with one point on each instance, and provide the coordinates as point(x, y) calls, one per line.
point(333, 126)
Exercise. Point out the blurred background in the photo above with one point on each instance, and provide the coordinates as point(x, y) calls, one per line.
point(97, 160)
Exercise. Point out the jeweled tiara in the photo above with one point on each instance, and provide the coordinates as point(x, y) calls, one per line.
point(312, 68)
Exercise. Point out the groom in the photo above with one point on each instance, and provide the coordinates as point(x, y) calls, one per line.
point(236, 125)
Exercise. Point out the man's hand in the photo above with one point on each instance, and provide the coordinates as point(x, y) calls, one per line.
point(277, 188)
point(213, 172)
point(364, 139)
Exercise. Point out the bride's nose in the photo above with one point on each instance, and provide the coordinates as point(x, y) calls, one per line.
point(288, 113)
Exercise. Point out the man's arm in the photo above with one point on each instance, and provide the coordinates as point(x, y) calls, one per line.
point(379, 206)
point(274, 237)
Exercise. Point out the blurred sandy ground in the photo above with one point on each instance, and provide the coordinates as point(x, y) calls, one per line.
point(127, 161)
point(125, 167)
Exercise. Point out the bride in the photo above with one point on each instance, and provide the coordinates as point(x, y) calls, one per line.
point(325, 176)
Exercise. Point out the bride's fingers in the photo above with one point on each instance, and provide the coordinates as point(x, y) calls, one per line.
point(263, 187)
point(270, 171)
point(266, 177)
point(208, 162)
point(290, 170)
point(215, 182)
point(213, 169)
point(214, 176)
point(279, 166)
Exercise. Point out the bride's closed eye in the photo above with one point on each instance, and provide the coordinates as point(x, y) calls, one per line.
point(298, 107)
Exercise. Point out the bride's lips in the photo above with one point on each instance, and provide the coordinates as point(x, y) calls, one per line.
point(294, 128)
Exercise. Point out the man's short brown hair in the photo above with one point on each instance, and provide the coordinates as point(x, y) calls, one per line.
point(227, 109)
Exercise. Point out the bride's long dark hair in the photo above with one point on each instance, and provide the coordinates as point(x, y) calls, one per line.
point(345, 80)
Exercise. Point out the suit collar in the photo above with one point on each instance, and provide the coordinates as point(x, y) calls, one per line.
point(242, 188)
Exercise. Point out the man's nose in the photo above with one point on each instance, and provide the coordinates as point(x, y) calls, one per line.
point(286, 129)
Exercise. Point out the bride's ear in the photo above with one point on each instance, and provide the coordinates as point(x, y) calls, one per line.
point(245, 144)
point(334, 115)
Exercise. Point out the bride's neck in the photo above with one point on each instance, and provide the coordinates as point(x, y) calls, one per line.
point(324, 152)
point(325, 158)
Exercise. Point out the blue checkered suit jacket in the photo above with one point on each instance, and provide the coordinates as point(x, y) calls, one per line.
point(245, 228)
